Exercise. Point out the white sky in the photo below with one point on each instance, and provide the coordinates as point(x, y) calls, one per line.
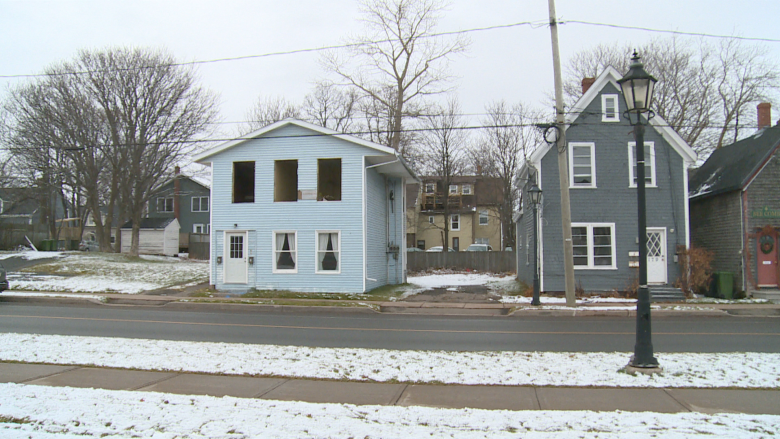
point(513, 64)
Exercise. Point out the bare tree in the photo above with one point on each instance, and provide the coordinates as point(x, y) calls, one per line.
point(399, 61)
point(331, 106)
point(701, 90)
point(268, 110)
point(444, 153)
point(506, 143)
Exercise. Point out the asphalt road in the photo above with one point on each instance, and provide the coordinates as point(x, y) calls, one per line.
point(329, 329)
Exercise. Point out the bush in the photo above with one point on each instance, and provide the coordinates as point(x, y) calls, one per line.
point(695, 270)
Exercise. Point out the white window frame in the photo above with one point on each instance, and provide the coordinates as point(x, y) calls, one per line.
point(430, 220)
point(275, 255)
point(453, 189)
point(484, 213)
point(432, 187)
point(466, 189)
point(591, 265)
point(605, 117)
point(317, 252)
point(165, 205)
point(452, 222)
point(592, 147)
point(200, 204)
point(649, 146)
point(202, 228)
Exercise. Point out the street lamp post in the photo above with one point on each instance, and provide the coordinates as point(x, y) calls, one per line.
point(535, 195)
point(637, 87)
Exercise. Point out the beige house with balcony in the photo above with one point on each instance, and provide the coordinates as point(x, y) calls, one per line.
point(473, 212)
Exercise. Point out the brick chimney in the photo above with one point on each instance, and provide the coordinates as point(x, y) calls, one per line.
point(764, 115)
point(586, 83)
point(176, 192)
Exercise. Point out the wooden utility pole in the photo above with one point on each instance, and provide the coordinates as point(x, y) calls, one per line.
point(563, 169)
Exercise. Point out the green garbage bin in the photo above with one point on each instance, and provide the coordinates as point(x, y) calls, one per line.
point(725, 285)
point(44, 246)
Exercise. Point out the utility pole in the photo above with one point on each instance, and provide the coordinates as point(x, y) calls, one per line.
point(563, 169)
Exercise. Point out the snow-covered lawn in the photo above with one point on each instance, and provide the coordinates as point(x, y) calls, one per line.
point(50, 412)
point(745, 370)
point(80, 272)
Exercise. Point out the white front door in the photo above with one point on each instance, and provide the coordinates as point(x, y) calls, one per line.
point(235, 258)
point(656, 256)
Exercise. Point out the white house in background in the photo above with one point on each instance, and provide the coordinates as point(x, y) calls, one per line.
point(300, 207)
point(158, 236)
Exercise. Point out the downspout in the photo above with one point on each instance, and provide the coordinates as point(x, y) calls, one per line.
point(744, 250)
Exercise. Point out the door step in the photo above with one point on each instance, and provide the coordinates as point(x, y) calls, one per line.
point(665, 293)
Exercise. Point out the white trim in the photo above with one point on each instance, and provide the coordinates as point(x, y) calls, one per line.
point(541, 229)
point(195, 226)
point(226, 251)
point(463, 189)
point(206, 156)
point(616, 115)
point(431, 219)
point(453, 189)
point(273, 253)
point(592, 147)
point(591, 265)
point(453, 229)
point(687, 208)
point(363, 213)
point(425, 189)
point(631, 176)
point(487, 217)
point(317, 251)
point(200, 203)
point(212, 247)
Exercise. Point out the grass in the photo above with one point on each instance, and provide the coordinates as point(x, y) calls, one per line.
point(381, 294)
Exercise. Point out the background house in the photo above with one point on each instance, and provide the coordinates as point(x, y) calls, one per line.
point(735, 208)
point(185, 199)
point(27, 211)
point(474, 218)
point(300, 207)
point(603, 199)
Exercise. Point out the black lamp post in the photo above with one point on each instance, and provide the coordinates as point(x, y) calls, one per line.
point(535, 195)
point(637, 87)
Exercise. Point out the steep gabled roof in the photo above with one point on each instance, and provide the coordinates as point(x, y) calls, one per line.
point(732, 167)
point(610, 76)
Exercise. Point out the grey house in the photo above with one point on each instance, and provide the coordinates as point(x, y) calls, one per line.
point(735, 209)
point(602, 187)
point(185, 199)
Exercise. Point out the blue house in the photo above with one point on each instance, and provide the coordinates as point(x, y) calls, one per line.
point(299, 207)
point(603, 199)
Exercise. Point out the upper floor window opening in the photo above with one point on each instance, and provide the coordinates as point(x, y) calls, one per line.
point(582, 164)
point(453, 189)
point(243, 182)
point(430, 188)
point(649, 164)
point(286, 180)
point(329, 180)
point(165, 204)
point(466, 189)
point(200, 204)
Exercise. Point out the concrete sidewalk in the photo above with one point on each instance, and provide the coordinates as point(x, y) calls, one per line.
point(670, 400)
point(627, 309)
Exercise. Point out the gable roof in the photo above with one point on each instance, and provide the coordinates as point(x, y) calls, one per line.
point(610, 76)
point(182, 177)
point(205, 156)
point(732, 167)
point(151, 223)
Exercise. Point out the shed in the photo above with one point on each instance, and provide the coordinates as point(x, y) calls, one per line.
point(157, 236)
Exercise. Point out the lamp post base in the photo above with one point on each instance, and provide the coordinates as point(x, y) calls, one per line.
point(633, 370)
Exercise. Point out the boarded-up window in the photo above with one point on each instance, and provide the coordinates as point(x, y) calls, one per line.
point(243, 182)
point(329, 180)
point(286, 180)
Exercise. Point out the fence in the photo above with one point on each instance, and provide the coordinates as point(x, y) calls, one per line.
point(200, 245)
point(495, 262)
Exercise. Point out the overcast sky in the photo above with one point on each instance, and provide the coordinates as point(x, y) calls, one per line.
point(514, 64)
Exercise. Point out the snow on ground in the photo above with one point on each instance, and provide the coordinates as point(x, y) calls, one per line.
point(31, 255)
point(744, 370)
point(48, 412)
point(451, 279)
point(109, 273)
point(65, 295)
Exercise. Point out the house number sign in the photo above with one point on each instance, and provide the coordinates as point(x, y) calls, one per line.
point(765, 212)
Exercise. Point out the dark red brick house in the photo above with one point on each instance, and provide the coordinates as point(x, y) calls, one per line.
point(735, 208)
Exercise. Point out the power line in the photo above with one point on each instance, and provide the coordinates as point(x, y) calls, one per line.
point(675, 32)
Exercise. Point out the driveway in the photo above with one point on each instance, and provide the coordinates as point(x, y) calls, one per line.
point(16, 263)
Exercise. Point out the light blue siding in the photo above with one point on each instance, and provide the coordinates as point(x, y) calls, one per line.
point(305, 217)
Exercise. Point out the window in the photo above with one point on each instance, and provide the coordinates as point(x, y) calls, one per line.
point(421, 244)
point(483, 217)
point(430, 220)
point(243, 182)
point(1, 205)
point(610, 111)
point(285, 252)
point(198, 228)
point(582, 167)
point(165, 204)
point(485, 241)
point(328, 252)
point(430, 188)
point(466, 189)
point(286, 180)
point(200, 204)
point(329, 180)
point(455, 222)
point(649, 164)
point(453, 189)
point(594, 245)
